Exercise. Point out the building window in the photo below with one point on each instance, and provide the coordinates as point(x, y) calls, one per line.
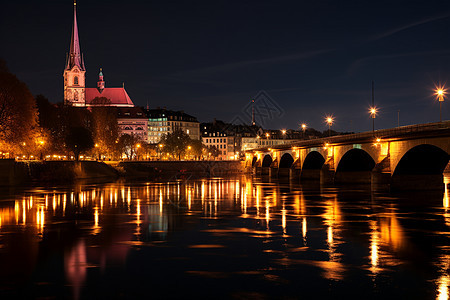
point(75, 80)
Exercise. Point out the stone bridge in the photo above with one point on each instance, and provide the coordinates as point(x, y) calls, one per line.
point(408, 157)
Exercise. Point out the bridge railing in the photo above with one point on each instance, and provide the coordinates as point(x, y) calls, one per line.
point(397, 132)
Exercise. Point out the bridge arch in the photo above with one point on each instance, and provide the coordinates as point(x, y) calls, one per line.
point(355, 166)
point(313, 161)
point(254, 160)
point(424, 159)
point(286, 161)
point(267, 161)
point(355, 160)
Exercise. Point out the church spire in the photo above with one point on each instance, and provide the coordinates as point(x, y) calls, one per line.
point(75, 52)
point(100, 82)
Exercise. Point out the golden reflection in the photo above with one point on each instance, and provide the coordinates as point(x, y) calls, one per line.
point(267, 214)
point(304, 230)
point(391, 232)
point(374, 246)
point(283, 220)
point(24, 216)
point(333, 219)
point(446, 201)
point(258, 199)
point(443, 282)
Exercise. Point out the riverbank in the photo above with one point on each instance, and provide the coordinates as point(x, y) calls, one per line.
point(59, 172)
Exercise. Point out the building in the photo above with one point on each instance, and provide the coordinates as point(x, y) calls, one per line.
point(221, 142)
point(75, 91)
point(133, 121)
point(163, 121)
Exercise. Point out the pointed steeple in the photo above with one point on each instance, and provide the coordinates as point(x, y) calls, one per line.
point(75, 52)
point(100, 82)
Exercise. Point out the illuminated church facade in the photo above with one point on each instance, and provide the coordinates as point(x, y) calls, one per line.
point(75, 91)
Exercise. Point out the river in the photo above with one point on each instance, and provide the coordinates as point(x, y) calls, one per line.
point(239, 237)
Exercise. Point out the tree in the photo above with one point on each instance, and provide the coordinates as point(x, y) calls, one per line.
point(213, 151)
point(128, 145)
point(18, 113)
point(104, 128)
point(79, 140)
point(176, 143)
point(196, 148)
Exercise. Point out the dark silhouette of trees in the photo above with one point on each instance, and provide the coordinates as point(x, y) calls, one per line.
point(79, 140)
point(105, 129)
point(128, 144)
point(18, 113)
point(176, 143)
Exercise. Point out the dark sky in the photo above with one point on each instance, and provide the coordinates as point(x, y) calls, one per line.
point(209, 58)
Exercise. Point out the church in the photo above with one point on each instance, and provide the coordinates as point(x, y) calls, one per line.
point(75, 91)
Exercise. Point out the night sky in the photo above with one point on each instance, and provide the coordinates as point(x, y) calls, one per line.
point(209, 58)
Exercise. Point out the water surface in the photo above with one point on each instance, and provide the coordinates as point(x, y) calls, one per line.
point(223, 238)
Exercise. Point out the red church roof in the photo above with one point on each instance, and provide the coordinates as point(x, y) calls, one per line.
point(117, 96)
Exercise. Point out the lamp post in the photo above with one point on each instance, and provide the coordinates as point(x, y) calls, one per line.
point(440, 95)
point(303, 129)
point(329, 120)
point(160, 150)
point(137, 148)
point(283, 132)
point(373, 113)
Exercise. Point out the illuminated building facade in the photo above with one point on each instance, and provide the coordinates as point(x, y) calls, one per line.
point(133, 121)
point(222, 143)
point(162, 122)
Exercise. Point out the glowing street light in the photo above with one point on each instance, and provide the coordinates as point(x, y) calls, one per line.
point(329, 120)
point(440, 93)
point(304, 129)
point(283, 132)
point(267, 135)
point(373, 113)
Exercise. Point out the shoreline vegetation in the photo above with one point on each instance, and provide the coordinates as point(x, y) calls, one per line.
point(62, 172)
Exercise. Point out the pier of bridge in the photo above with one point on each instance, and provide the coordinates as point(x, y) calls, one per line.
point(408, 157)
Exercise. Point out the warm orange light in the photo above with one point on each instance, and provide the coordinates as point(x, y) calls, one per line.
point(329, 120)
point(189, 147)
point(138, 145)
point(96, 145)
point(303, 126)
point(440, 93)
point(373, 111)
point(283, 131)
point(267, 134)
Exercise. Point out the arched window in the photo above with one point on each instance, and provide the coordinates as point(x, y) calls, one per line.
point(139, 128)
point(75, 95)
point(128, 128)
point(75, 80)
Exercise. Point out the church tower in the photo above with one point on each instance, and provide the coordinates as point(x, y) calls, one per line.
point(74, 72)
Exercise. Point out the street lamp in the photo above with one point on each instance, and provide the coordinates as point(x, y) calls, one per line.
point(440, 93)
point(329, 120)
point(373, 113)
point(303, 129)
point(283, 132)
point(137, 148)
point(160, 150)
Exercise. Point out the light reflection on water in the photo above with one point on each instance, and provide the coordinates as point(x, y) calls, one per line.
point(224, 231)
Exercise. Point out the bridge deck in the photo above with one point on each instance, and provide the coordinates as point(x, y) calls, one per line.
point(398, 133)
